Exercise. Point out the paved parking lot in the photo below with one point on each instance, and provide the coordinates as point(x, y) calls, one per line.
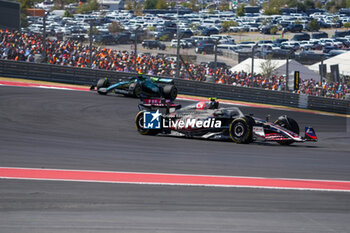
point(169, 50)
point(239, 37)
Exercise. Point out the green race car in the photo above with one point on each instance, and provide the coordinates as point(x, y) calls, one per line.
point(139, 87)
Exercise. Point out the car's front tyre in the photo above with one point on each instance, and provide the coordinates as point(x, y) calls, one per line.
point(102, 83)
point(135, 90)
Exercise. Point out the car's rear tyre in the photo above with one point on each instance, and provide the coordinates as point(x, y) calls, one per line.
point(102, 83)
point(290, 124)
point(135, 90)
point(241, 130)
point(139, 126)
point(170, 92)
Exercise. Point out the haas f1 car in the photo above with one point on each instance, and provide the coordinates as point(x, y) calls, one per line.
point(207, 120)
point(140, 87)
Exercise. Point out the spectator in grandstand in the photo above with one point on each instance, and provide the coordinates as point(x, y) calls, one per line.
point(29, 47)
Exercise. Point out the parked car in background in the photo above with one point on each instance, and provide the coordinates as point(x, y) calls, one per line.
point(185, 33)
point(187, 43)
point(328, 48)
point(209, 31)
point(294, 28)
point(319, 35)
point(306, 45)
point(301, 36)
point(331, 42)
point(153, 44)
point(290, 45)
point(226, 48)
point(278, 42)
point(165, 35)
point(183, 44)
point(345, 41)
point(218, 65)
point(206, 48)
point(309, 57)
point(335, 52)
point(341, 33)
point(105, 39)
point(123, 38)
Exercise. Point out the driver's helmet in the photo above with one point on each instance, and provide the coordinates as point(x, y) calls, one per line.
point(140, 76)
point(213, 104)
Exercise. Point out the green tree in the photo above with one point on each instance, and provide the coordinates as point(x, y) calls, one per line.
point(192, 4)
point(301, 6)
point(68, 14)
point(59, 4)
point(161, 4)
point(313, 25)
point(266, 21)
point(342, 4)
point(172, 5)
point(129, 5)
point(227, 24)
point(347, 3)
point(164, 37)
point(115, 27)
point(240, 11)
point(253, 3)
point(346, 25)
point(273, 30)
point(94, 31)
point(292, 3)
point(297, 21)
point(272, 11)
point(88, 7)
point(335, 19)
point(268, 68)
point(273, 7)
point(150, 4)
point(223, 6)
point(319, 4)
point(24, 5)
point(309, 4)
point(335, 5)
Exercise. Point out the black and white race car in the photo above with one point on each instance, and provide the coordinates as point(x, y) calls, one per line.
point(207, 120)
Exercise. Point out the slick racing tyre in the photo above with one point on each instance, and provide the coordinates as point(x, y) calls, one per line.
point(170, 92)
point(102, 83)
point(139, 126)
point(290, 124)
point(241, 130)
point(135, 90)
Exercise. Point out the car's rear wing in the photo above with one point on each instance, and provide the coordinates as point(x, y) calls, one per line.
point(154, 104)
point(162, 80)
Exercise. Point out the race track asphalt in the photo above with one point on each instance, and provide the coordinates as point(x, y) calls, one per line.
point(41, 128)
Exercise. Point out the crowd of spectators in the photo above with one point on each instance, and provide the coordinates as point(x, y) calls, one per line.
point(29, 47)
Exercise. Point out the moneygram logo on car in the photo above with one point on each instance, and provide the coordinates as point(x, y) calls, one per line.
point(152, 120)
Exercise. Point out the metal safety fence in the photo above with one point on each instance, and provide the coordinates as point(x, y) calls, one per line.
point(86, 76)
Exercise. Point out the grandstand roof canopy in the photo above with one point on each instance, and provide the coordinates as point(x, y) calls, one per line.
point(280, 65)
point(342, 59)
